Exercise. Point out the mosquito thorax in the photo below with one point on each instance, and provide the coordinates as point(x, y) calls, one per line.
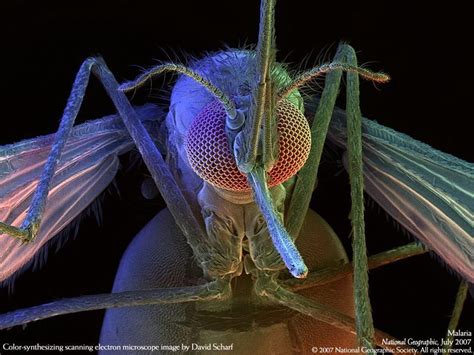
point(211, 157)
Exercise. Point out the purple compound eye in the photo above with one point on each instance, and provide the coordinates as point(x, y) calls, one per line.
point(212, 159)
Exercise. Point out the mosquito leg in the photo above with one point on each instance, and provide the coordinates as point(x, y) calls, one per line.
point(364, 322)
point(215, 290)
point(153, 159)
point(268, 288)
point(30, 225)
point(331, 274)
point(159, 170)
point(306, 180)
point(307, 176)
point(453, 322)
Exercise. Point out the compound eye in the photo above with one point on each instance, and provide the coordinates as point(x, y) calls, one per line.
point(211, 157)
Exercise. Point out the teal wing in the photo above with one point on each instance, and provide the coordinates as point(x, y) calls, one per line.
point(429, 192)
point(88, 164)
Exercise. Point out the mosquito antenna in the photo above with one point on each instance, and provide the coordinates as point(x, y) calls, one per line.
point(171, 67)
point(308, 76)
point(262, 95)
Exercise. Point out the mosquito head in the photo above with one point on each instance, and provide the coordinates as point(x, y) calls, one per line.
point(212, 158)
point(262, 145)
point(210, 154)
point(247, 139)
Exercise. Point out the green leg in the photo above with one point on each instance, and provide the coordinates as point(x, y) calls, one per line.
point(334, 273)
point(306, 180)
point(267, 287)
point(453, 322)
point(364, 322)
point(212, 291)
point(307, 177)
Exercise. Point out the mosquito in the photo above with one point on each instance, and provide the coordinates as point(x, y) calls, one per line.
point(252, 113)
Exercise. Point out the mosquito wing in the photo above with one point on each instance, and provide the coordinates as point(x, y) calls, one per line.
point(88, 165)
point(429, 192)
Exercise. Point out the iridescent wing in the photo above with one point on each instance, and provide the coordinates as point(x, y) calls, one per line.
point(430, 193)
point(88, 165)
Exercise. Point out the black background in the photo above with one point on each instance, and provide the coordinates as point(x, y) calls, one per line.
point(429, 97)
